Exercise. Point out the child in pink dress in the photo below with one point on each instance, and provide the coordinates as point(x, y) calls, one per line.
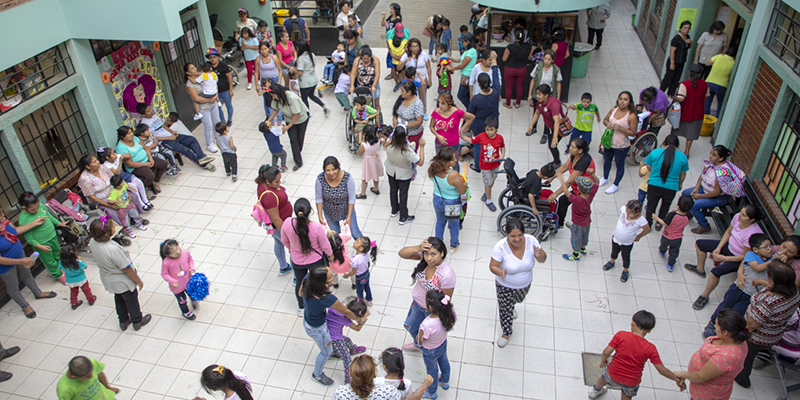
point(371, 167)
point(341, 258)
point(177, 266)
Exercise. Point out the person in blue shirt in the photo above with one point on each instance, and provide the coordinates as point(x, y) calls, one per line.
point(294, 15)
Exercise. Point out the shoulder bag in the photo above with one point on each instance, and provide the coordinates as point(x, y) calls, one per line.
point(451, 211)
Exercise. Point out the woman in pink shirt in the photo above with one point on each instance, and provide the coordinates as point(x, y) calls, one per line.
point(446, 122)
point(432, 273)
point(719, 360)
point(288, 54)
point(307, 243)
point(177, 266)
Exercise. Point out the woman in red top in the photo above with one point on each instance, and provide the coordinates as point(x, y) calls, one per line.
point(275, 200)
point(580, 163)
point(286, 49)
point(549, 108)
point(692, 96)
point(560, 46)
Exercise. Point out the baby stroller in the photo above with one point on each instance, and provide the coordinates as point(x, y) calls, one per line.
point(514, 203)
point(350, 132)
point(68, 207)
point(643, 143)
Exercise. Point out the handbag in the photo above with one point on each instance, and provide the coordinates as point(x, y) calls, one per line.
point(658, 119)
point(605, 140)
point(451, 211)
point(325, 261)
point(565, 126)
point(674, 115)
point(464, 80)
point(427, 32)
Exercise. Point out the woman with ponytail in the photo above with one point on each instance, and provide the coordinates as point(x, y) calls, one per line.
point(234, 385)
point(720, 358)
point(364, 385)
point(307, 243)
point(707, 192)
point(692, 96)
point(432, 338)
point(275, 201)
point(668, 168)
point(394, 365)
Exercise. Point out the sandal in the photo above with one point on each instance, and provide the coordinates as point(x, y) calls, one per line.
point(508, 106)
point(31, 315)
point(528, 133)
point(377, 192)
point(49, 296)
point(516, 105)
point(361, 196)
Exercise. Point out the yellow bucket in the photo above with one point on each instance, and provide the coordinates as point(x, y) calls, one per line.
point(709, 121)
point(282, 14)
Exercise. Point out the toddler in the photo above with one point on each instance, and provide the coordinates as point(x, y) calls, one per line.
point(629, 222)
point(337, 57)
point(294, 84)
point(208, 79)
point(342, 88)
point(366, 251)
point(177, 266)
point(342, 344)
point(341, 258)
point(631, 352)
point(432, 338)
point(585, 113)
point(445, 80)
point(672, 236)
point(73, 267)
point(149, 141)
point(412, 75)
point(273, 138)
point(394, 365)
point(217, 378)
point(581, 217)
point(43, 238)
point(371, 165)
point(120, 198)
point(492, 149)
point(644, 173)
point(111, 160)
point(228, 150)
point(362, 114)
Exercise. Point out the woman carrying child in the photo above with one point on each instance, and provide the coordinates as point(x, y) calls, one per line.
point(177, 267)
point(73, 268)
point(342, 344)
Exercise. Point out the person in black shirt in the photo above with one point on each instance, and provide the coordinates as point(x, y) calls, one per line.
point(678, 51)
point(224, 80)
point(532, 186)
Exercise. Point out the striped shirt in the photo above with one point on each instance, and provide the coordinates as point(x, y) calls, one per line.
point(772, 311)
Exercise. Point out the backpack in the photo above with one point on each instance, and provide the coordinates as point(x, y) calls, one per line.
point(260, 214)
point(295, 30)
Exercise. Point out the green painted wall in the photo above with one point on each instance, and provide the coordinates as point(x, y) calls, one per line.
point(22, 21)
point(543, 6)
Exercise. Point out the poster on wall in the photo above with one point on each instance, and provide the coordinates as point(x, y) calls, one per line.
point(134, 79)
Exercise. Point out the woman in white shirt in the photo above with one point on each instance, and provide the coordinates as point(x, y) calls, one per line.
point(512, 262)
point(341, 19)
point(244, 22)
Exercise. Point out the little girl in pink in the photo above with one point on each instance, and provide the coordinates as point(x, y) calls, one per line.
point(341, 258)
point(177, 266)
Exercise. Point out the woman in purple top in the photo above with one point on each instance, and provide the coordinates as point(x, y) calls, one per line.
point(307, 243)
point(432, 273)
point(655, 101)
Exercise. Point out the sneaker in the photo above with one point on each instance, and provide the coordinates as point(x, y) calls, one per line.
point(210, 167)
point(709, 330)
point(297, 166)
point(358, 350)
point(198, 116)
point(443, 385)
point(670, 267)
point(701, 230)
point(571, 257)
point(502, 342)
point(662, 254)
point(491, 206)
point(693, 268)
point(323, 379)
point(408, 220)
point(171, 172)
point(429, 395)
point(282, 272)
point(91, 302)
point(700, 302)
point(141, 227)
point(300, 312)
point(128, 232)
point(249, 86)
point(212, 148)
point(353, 287)
point(603, 182)
point(483, 197)
point(283, 168)
point(543, 140)
point(78, 304)
point(62, 279)
point(233, 178)
point(625, 275)
point(608, 266)
point(392, 215)
point(584, 252)
point(190, 316)
point(593, 394)
point(612, 189)
point(397, 86)
point(410, 346)
point(205, 160)
point(369, 303)
point(145, 320)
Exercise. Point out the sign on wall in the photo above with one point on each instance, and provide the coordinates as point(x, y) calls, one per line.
point(134, 79)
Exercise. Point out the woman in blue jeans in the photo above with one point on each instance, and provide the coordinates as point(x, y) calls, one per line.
point(316, 290)
point(707, 193)
point(622, 120)
point(275, 201)
point(432, 273)
point(448, 187)
point(268, 71)
point(336, 197)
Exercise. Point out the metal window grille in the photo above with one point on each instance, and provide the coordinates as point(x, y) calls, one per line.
point(10, 186)
point(784, 165)
point(102, 48)
point(185, 49)
point(54, 138)
point(658, 8)
point(750, 4)
point(36, 74)
point(783, 35)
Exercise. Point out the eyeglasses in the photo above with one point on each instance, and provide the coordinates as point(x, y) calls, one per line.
point(765, 247)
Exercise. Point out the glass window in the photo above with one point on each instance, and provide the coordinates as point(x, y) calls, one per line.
point(54, 138)
point(102, 48)
point(783, 35)
point(10, 186)
point(22, 81)
point(784, 164)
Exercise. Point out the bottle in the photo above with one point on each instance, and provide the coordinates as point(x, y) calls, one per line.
point(34, 256)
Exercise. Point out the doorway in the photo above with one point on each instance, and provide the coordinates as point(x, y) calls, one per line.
point(185, 49)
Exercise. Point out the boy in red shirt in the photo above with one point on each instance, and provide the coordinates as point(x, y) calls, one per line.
point(581, 217)
point(672, 236)
point(631, 352)
point(493, 148)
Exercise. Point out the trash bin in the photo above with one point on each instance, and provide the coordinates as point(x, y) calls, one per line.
point(282, 14)
point(709, 121)
point(582, 52)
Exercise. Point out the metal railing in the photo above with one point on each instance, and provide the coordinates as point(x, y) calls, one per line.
point(36, 74)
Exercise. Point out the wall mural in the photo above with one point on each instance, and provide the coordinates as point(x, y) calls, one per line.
point(134, 79)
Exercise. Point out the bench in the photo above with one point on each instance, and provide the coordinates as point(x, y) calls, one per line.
point(723, 218)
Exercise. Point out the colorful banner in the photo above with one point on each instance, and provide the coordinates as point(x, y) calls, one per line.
point(134, 79)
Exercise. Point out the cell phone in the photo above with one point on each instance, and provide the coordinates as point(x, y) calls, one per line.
point(34, 256)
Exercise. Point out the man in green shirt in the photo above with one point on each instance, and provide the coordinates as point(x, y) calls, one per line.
point(719, 77)
point(85, 380)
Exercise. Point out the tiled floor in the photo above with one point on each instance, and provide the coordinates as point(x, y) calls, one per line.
point(249, 321)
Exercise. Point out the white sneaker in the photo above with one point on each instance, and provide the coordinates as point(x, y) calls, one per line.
point(593, 394)
point(249, 86)
point(514, 315)
point(300, 312)
point(198, 116)
point(502, 342)
point(212, 148)
point(612, 189)
point(603, 182)
point(568, 224)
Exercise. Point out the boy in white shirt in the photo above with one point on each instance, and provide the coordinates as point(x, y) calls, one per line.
point(337, 57)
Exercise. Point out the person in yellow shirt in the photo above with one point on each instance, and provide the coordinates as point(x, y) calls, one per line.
point(721, 68)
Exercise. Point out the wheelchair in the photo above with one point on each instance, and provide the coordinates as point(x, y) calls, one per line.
point(350, 132)
point(514, 203)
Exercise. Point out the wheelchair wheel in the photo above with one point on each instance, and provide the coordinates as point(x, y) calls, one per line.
point(532, 222)
point(641, 147)
point(507, 199)
point(234, 77)
point(348, 129)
